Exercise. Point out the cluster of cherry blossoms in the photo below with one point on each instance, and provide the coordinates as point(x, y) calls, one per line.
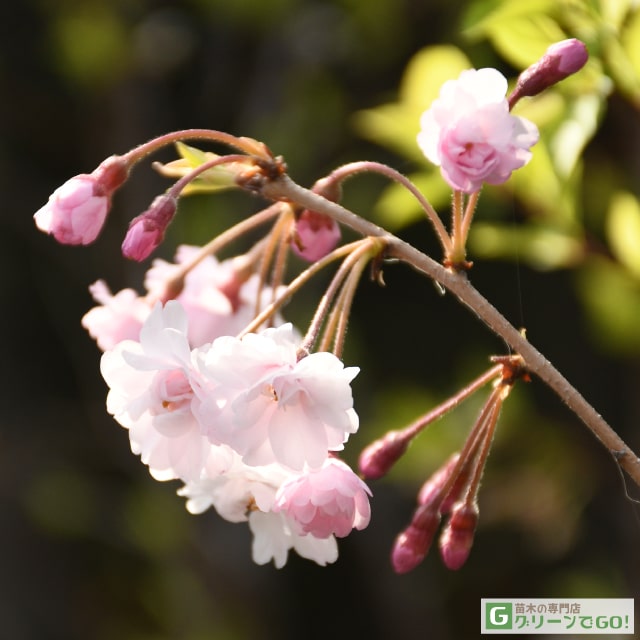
point(219, 392)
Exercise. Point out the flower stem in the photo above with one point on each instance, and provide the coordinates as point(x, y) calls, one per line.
point(246, 145)
point(353, 168)
point(297, 283)
point(176, 282)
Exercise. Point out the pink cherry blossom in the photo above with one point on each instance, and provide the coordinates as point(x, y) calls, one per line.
point(264, 403)
point(150, 394)
point(274, 535)
point(328, 501)
point(220, 299)
point(75, 212)
point(469, 133)
point(315, 236)
point(242, 493)
point(118, 317)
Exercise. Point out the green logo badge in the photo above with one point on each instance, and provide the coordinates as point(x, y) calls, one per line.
point(498, 615)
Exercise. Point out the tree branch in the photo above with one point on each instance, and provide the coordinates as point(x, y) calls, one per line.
point(283, 188)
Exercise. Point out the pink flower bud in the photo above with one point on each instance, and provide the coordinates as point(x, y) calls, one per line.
point(457, 536)
point(75, 212)
point(315, 236)
point(559, 61)
point(431, 489)
point(376, 459)
point(412, 545)
point(146, 232)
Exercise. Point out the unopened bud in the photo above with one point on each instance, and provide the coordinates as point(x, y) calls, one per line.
point(315, 235)
point(376, 459)
point(76, 211)
point(432, 488)
point(457, 536)
point(412, 545)
point(560, 60)
point(146, 232)
point(111, 174)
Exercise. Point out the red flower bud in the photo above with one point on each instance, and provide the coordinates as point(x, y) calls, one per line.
point(376, 459)
point(432, 488)
point(412, 545)
point(457, 536)
point(146, 232)
point(560, 60)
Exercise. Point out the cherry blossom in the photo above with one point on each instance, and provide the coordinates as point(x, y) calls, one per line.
point(273, 536)
point(328, 501)
point(258, 398)
point(242, 493)
point(118, 317)
point(218, 298)
point(470, 134)
point(150, 394)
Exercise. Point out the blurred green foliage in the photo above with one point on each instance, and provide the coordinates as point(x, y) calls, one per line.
point(93, 547)
point(560, 225)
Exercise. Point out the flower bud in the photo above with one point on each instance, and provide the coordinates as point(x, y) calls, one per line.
point(146, 232)
point(412, 545)
point(315, 235)
point(111, 174)
point(376, 459)
point(456, 539)
point(76, 211)
point(560, 60)
point(431, 489)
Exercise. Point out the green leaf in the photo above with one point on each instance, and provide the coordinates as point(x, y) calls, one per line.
point(523, 40)
point(520, 31)
point(397, 208)
point(574, 132)
point(614, 12)
point(623, 230)
point(213, 180)
point(427, 71)
point(395, 125)
point(630, 40)
point(612, 299)
point(543, 248)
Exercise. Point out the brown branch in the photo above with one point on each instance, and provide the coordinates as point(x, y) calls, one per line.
point(283, 188)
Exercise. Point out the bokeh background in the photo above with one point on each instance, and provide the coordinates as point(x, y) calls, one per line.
point(90, 545)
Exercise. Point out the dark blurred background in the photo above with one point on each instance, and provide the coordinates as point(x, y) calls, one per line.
point(90, 545)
